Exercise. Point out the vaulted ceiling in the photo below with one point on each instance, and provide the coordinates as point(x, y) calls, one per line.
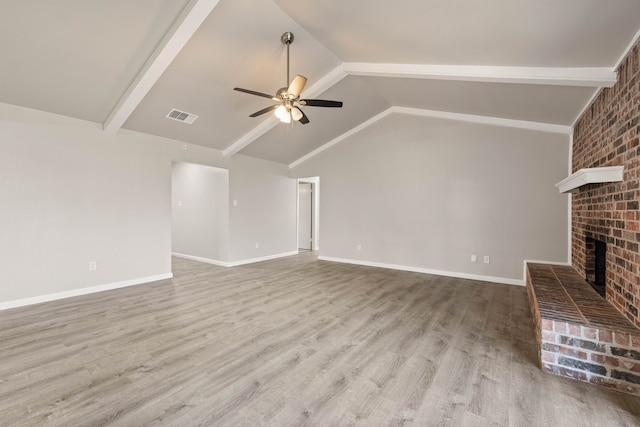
point(126, 64)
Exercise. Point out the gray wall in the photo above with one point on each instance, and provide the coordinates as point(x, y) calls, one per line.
point(265, 210)
point(200, 211)
point(73, 194)
point(427, 193)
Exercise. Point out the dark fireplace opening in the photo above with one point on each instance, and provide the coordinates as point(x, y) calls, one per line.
point(596, 264)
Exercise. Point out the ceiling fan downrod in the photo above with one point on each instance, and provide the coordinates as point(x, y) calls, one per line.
point(287, 38)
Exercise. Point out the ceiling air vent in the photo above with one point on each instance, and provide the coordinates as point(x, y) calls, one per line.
point(182, 116)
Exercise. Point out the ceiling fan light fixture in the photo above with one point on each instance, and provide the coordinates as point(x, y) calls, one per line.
point(296, 114)
point(286, 119)
point(282, 113)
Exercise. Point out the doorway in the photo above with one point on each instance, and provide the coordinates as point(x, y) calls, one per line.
point(308, 202)
point(305, 216)
point(199, 212)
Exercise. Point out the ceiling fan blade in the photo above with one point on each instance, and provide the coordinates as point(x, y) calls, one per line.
point(296, 86)
point(304, 119)
point(264, 110)
point(253, 92)
point(321, 103)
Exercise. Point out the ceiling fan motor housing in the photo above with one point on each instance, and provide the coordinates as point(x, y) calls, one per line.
point(282, 94)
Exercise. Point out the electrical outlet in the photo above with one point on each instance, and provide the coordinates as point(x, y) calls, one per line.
point(474, 258)
point(359, 247)
point(257, 245)
point(487, 260)
point(93, 266)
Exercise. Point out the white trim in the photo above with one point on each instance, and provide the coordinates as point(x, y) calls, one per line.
point(469, 118)
point(234, 263)
point(586, 107)
point(251, 136)
point(178, 35)
point(619, 62)
point(503, 280)
point(315, 181)
point(574, 76)
point(632, 43)
point(82, 291)
point(328, 81)
point(265, 258)
point(486, 120)
point(345, 135)
point(590, 176)
point(333, 77)
point(201, 259)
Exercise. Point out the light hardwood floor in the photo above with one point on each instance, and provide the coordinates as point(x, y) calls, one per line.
point(290, 342)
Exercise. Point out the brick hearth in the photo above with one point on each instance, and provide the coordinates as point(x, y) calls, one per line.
point(581, 335)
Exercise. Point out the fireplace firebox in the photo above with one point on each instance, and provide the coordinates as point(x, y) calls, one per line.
point(596, 264)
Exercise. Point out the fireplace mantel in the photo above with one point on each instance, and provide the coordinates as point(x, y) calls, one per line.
point(590, 176)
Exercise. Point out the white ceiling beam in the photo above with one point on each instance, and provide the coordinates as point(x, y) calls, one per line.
point(446, 115)
point(314, 90)
point(584, 77)
point(624, 54)
point(326, 82)
point(251, 136)
point(192, 16)
point(486, 120)
point(342, 137)
point(589, 77)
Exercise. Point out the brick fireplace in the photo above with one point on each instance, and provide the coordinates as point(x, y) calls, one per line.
point(607, 135)
point(581, 335)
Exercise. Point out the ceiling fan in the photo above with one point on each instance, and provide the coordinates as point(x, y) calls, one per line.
point(288, 102)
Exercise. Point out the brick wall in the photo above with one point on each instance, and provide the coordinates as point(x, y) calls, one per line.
point(595, 355)
point(607, 135)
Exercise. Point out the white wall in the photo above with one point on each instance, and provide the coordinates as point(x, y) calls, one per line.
point(72, 194)
point(426, 194)
point(265, 209)
point(200, 211)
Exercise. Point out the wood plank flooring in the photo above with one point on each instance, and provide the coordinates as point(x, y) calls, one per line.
point(290, 342)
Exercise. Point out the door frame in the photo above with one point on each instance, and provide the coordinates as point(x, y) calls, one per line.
point(315, 210)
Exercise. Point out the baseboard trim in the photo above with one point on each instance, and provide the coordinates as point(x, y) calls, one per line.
point(201, 259)
point(82, 291)
point(234, 263)
point(502, 280)
point(265, 258)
